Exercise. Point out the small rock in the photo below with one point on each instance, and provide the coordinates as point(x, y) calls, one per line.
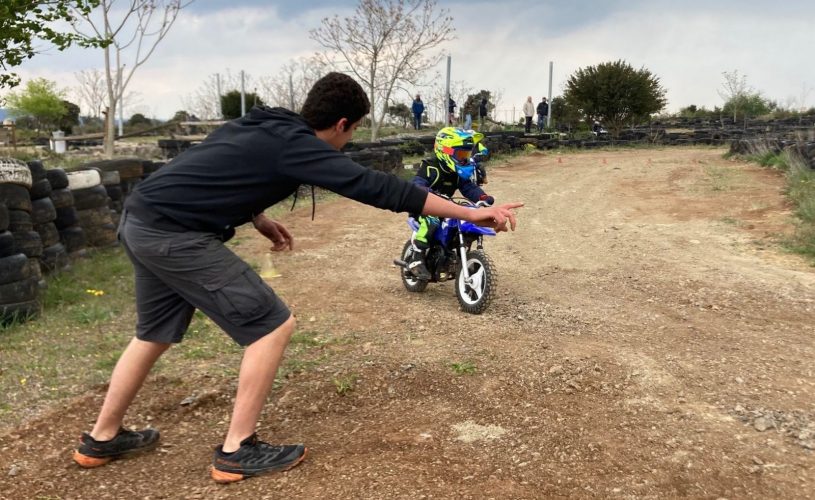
point(555, 370)
point(761, 424)
point(14, 470)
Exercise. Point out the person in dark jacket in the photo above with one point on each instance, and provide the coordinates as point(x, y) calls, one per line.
point(418, 110)
point(543, 114)
point(482, 113)
point(447, 171)
point(173, 230)
point(451, 110)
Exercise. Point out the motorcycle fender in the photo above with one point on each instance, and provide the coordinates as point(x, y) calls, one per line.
point(469, 227)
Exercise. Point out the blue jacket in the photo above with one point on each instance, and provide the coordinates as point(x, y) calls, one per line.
point(418, 107)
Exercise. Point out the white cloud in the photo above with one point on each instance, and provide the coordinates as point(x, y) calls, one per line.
point(500, 45)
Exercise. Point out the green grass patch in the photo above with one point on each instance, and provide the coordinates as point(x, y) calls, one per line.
point(801, 191)
point(345, 383)
point(463, 368)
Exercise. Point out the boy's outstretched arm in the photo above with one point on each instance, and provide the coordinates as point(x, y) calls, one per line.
point(495, 217)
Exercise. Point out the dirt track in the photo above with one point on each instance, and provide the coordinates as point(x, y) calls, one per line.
point(649, 340)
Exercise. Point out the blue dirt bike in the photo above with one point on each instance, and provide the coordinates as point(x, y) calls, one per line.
point(452, 244)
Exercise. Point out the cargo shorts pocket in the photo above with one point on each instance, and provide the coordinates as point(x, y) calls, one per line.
point(241, 298)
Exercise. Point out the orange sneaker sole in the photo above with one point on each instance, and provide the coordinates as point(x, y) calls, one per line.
point(87, 462)
point(222, 477)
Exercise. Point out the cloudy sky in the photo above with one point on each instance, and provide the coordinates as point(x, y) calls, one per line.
point(504, 46)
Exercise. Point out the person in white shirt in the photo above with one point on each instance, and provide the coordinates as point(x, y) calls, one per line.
point(529, 112)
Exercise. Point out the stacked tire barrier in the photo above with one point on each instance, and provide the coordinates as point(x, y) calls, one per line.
point(119, 176)
point(92, 205)
point(804, 150)
point(53, 255)
point(71, 234)
point(20, 245)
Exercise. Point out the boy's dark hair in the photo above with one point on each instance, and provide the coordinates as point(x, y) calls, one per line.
point(332, 97)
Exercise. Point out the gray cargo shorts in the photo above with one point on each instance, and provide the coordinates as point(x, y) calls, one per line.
point(177, 273)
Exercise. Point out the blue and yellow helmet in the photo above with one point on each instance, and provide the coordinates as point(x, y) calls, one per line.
point(454, 147)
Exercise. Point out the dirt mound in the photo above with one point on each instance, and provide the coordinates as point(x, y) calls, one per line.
point(650, 339)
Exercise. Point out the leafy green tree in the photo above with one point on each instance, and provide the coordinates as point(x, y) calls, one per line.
point(231, 103)
point(41, 100)
point(139, 120)
point(70, 119)
point(401, 112)
point(615, 94)
point(748, 105)
point(473, 102)
point(564, 115)
point(24, 22)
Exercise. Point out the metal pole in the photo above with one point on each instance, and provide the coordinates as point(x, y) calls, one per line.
point(218, 105)
point(121, 101)
point(243, 95)
point(446, 105)
point(291, 93)
point(549, 114)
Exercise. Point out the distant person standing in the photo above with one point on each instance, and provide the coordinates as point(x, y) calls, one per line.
point(418, 111)
point(451, 111)
point(543, 114)
point(482, 113)
point(529, 111)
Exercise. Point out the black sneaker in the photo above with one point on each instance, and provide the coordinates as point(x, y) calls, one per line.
point(417, 267)
point(92, 453)
point(253, 458)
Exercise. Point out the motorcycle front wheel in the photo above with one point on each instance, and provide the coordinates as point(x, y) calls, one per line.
point(475, 293)
point(411, 282)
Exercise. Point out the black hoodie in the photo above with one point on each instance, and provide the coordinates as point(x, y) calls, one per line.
point(251, 163)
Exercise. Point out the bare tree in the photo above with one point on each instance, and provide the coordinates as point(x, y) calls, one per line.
point(438, 98)
point(386, 44)
point(205, 102)
point(290, 86)
point(734, 89)
point(91, 91)
point(134, 31)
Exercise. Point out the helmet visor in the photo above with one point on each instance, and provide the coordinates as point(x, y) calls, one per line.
point(461, 156)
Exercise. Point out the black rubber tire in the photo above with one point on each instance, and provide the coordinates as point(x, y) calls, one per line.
point(103, 235)
point(48, 233)
point(40, 189)
point(3, 217)
point(37, 170)
point(29, 243)
point(471, 302)
point(19, 312)
point(412, 284)
point(35, 269)
point(128, 168)
point(42, 211)
point(20, 221)
point(115, 192)
point(62, 198)
point(93, 197)
point(54, 258)
point(19, 291)
point(7, 244)
point(14, 268)
point(92, 217)
point(58, 178)
point(15, 197)
point(66, 217)
point(73, 238)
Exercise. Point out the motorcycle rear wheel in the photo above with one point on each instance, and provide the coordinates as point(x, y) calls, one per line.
point(411, 282)
point(475, 294)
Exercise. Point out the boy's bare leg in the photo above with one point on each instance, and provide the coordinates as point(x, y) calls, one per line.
point(126, 380)
point(258, 368)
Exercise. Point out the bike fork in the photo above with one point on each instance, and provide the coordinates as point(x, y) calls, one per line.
point(462, 248)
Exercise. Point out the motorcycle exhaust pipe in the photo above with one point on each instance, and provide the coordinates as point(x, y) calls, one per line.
point(400, 263)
